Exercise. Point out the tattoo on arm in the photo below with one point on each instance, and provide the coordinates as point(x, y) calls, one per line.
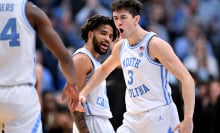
point(80, 121)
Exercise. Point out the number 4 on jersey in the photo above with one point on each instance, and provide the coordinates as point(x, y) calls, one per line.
point(9, 32)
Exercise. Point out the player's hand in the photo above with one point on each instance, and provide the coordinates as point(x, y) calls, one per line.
point(80, 108)
point(186, 126)
point(71, 94)
point(82, 98)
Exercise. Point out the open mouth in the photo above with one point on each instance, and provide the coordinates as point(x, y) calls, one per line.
point(104, 46)
point(121, 30)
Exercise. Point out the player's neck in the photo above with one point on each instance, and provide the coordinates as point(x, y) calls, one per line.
point(92, 51)
point(137, 36)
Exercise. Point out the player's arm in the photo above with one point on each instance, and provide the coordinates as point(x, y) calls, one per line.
point(163, 52)
point(103, 71)
point(83, 66)
point(41, 23)
point(39, 76)
point(80, 121)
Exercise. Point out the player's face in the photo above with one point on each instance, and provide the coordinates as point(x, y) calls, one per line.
point(102, 39)
point(125, 22)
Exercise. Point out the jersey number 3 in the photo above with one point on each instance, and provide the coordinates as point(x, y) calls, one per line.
point(131, 77)
point(9, 32)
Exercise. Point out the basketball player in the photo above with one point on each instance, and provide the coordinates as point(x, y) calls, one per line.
point(145, 60)
point(19, 103)
point(98, 33)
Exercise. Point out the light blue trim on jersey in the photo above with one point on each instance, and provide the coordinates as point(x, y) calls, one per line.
point(167, 84)
point(88, 108)
point(164, 90)
point(34, 71)
point(152, 34)
point(37, 125)
point(170, 97)
point(163, 77)
point(24, 2)
point(164, 86)
point(170, 130)
point(25, 16)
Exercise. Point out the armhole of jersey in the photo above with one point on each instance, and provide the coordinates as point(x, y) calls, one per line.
point(147, 49)
point(93, 70)
point(24, 2)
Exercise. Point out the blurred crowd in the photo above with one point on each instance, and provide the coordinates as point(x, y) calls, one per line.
point(192, 27)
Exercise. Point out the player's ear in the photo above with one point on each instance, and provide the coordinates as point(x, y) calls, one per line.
point(90, 34)
point(137, 19)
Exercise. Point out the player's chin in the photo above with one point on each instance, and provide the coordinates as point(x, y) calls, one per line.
point(103, 51)
point(122, 36)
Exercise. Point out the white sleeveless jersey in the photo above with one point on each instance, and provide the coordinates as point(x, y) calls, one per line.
point(146, 80)
point(97, 101)
point(17, 45)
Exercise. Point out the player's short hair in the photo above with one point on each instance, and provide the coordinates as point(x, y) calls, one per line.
point(94, 23)
point(134, 7)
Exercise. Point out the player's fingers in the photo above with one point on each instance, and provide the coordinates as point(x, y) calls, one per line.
point(80, 108)
point(75, 101)
point(74, 94)
point(63, 97)
point(71, 106)
point(82, 99)
point(176, 128)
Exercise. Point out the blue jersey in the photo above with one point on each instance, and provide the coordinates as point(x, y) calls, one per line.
point(17, 45)
point(97, 101)
point(146, 80)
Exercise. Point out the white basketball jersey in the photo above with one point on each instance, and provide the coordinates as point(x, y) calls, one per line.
point(97, 101)
point(17, 45)
point(146, 80)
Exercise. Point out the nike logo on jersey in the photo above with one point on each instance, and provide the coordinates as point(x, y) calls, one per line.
point(160, 118)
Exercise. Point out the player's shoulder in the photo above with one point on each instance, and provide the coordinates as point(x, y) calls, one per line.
point(35, 14)
point(82, 62)
point(117, 47)
point(159, 47)
point(118, 44)
point(31, 8)
point(157, 41)
point(81, 58)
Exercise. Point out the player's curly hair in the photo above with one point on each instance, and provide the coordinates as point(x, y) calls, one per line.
point(134, 7)
point(95, 22)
